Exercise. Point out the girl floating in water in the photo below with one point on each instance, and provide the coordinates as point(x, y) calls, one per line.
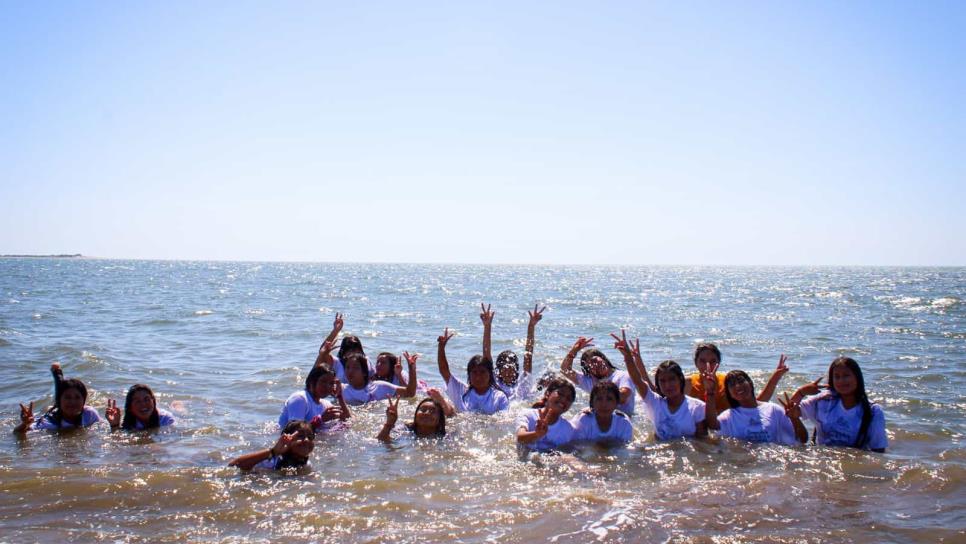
point(360, 389)
point(291, 450)
point(673, 414)
point(310, 404)
point(707, 354)
point(544, 428)
point(70, 408)
point(429, 420)
point(843, 415)
point(140, 411)
point(750, 419)
point(508, 378)
point(482, 395)
point(597, 367)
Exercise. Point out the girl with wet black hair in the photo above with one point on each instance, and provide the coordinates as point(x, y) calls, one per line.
point(673, 414)
point(750, 419)
point(140, 411)
point(291, 450)
point(70, 408)
point(310, 403)
point(603, 424)
point(842, 414)
point(350, 344)
point(544, 427)
point(429, 419)
point(508, 378)
point(481, 395)
point(597, 367)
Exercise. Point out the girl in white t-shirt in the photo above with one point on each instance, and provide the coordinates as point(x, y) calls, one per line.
point(481, 395)
point(597, 367)
point(310, 404)
point(603, 424)
point(140, 411)
point(673, 414)
point(291, 450)
point(843, 415)
point(361, 390)
point(514, 385)
point(389, 369)
point(544, 428)
point(750, 419)
point(70, 408)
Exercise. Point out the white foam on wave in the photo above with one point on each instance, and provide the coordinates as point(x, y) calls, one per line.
point(204, 312)
point(945, 302)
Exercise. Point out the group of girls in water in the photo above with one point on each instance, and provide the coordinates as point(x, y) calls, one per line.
point(678, 406)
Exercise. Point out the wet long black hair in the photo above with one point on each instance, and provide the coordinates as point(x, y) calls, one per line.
point(61, 386)
point(440, 427)
point(860, 396)
point(590, 353)
point(316, 374)
point(475, 361)
point(130, 421)
point(350, 344)
point(556, 384)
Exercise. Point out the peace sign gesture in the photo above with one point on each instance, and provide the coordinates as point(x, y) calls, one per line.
point(623, 346)
point(410, 359)
point(581, 343)
point(781, 369)
point(392, 411)
point(112, 414)
point(27, 414)
point(709, 379)
point(441, 340)
point(486, 316)
point(792, 407)
point(543, 425)
point(535, 316)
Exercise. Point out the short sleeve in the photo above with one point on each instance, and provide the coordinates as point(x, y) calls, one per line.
point(456, 389)
point(786, 430)
point(809, 406)
point(585, 383)
point(500, 402)
point(626, 431)
point(296, 407)
point(697, 411)
point(383, 390)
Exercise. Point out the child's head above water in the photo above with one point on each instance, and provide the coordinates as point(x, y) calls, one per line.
point(508, 367)
point(669, 379)
point(356, 369)
point(479, 373)
point(595, 363)
point(386, 366)
point(350, 344)
point(605, 397)
point(705, 354)
point(140, 405)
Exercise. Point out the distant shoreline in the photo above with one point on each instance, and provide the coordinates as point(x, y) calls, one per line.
point(62, 256)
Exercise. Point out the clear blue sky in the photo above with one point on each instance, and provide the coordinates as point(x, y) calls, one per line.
point(524, 132)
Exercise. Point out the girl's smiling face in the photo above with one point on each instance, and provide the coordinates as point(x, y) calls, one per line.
point(598, 367)
point(843, 380)
point(742, 390)
point(427, 417)
point(71, 403)
point(384, 369)
point(559, 401)
point(324, 386)
point(302, 446)
point(142, 406)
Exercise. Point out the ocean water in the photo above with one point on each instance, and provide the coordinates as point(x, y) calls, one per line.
point(224, 343)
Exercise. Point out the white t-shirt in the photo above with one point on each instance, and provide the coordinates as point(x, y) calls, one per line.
point(89, 417)
point(667, 425)
point(836, 426)
point(301, 405)
point(468, 400)
point(165, 418)
point(521, 391)
point(586, 429)
point(587, 382)
point(558, 434)
point(765, 423)
point(374, 390)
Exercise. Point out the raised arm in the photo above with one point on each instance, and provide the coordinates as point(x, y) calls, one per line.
point(535, 317)
point(567, 365)
point(392, 414)
point(344, 412)
point(325, 352)
point(634, 362)
point(776, 377)
point(441, 354)
point(113, 414)
point(398, 373)
point(710, 379)
point(410, 388)
point(486, 316)
point(810, 388)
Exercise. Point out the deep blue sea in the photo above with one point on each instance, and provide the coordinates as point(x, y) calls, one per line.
point(224, 343)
